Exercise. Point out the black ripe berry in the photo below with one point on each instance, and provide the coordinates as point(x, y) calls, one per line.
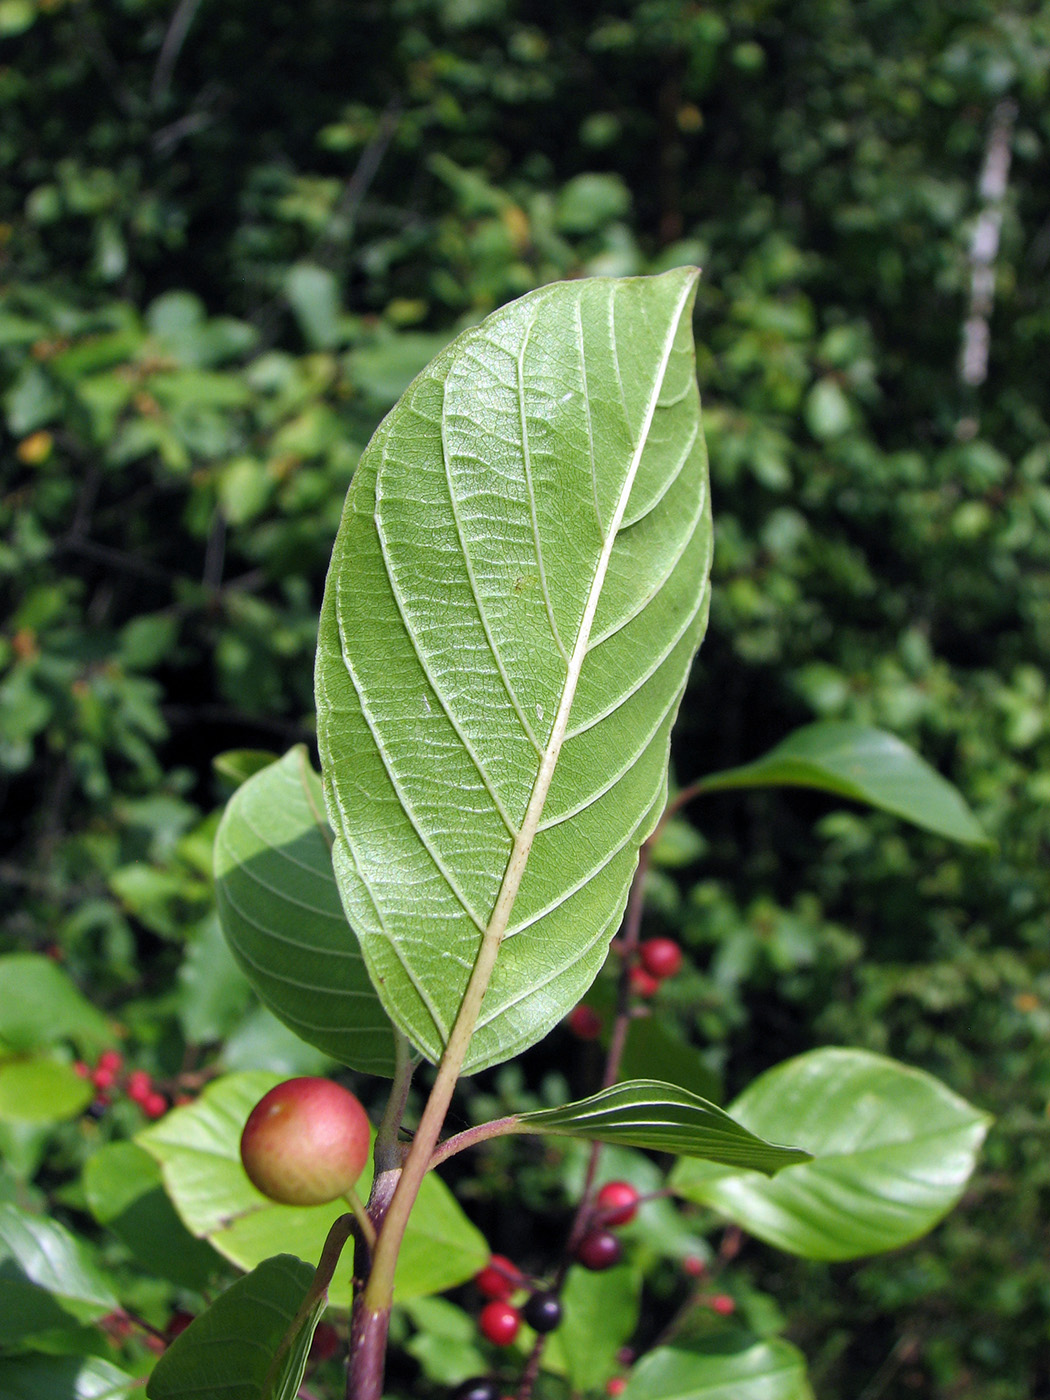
point(479, 1388)
point(542, 1312)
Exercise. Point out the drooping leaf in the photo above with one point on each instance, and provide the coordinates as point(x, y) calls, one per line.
point(282, 916)
point(64, 1378)
point(39, 1089)
point(892, 1149)
point(229, 1351)
point(728, 1367)
point(865, 764)
point(48, 1280)
point(599, 1315)
point(41, 1005)
point(197, 1147)
point(662, 1118)
point(517, 589)
point(124, 1191)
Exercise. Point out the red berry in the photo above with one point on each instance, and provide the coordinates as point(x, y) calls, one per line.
point(615, 1385)
point(618, 1202)
point(139, 1085)
point(177, 1324)
point(499, 1278)
point(154, 1105)
point(661, 957)
point(643, 984)
point(325, 1343)
point(103, 1078)
point(305, 1142)
point(599, 1249)
point(585, 1022)
point(499, 1322)
point(112, 1060)
point(694, 1266)
point(722, 1304)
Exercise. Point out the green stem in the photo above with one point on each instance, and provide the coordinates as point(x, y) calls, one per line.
point(387, 1153)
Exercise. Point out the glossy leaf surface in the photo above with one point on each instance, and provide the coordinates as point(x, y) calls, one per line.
point(865, 764)
point(64, 1378)
point(663, 1118)
point(230, 1352)
point(517, 589)
point(197, 1147)
point(282, 916)
point(48, 1280)
point(892, 1150)
point(726, 1368)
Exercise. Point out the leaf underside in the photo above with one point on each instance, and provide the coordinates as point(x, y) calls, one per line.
point(283, 919)
point(517, 589)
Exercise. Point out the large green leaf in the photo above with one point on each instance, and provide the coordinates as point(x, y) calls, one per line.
point(48, 1280)
point(230, 1352)
point(663, 1118)
point(865, 764)
point(892, 1150)
point(197, 1147)
point(517, 589)
point(282, 916)
point(721, 1368)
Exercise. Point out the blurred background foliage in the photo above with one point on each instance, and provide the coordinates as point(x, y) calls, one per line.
point(231, 233)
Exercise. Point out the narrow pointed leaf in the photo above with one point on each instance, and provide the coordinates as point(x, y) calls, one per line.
point(198, 1149)
point(730, 1367)
point(662, 1118)
point(892, 1150)
point(865, 764)
point(230, 1352)
point(283, 919)
point(516, 592)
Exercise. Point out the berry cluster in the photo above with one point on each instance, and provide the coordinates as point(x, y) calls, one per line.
point(109, 1075)
point(598, 1248)
point(658, 959)
point(500, 1320)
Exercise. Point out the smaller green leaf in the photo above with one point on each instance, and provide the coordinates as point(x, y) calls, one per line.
point(41, 1090)
point(446, 1342)
point(41, 1005)
point(662, 1118)
point(283, 918)
point(48, 1280)
point(892, 1150)
point(228, 1352)
point(63, 1378)
point(238, 765)
point(124, 1191)
point(599, 1315)
point(726, 1367)
point(866, 765)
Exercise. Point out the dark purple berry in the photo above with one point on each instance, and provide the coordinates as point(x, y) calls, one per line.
point(542, 1312)
point(479, 1388)
point(599, 1249)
